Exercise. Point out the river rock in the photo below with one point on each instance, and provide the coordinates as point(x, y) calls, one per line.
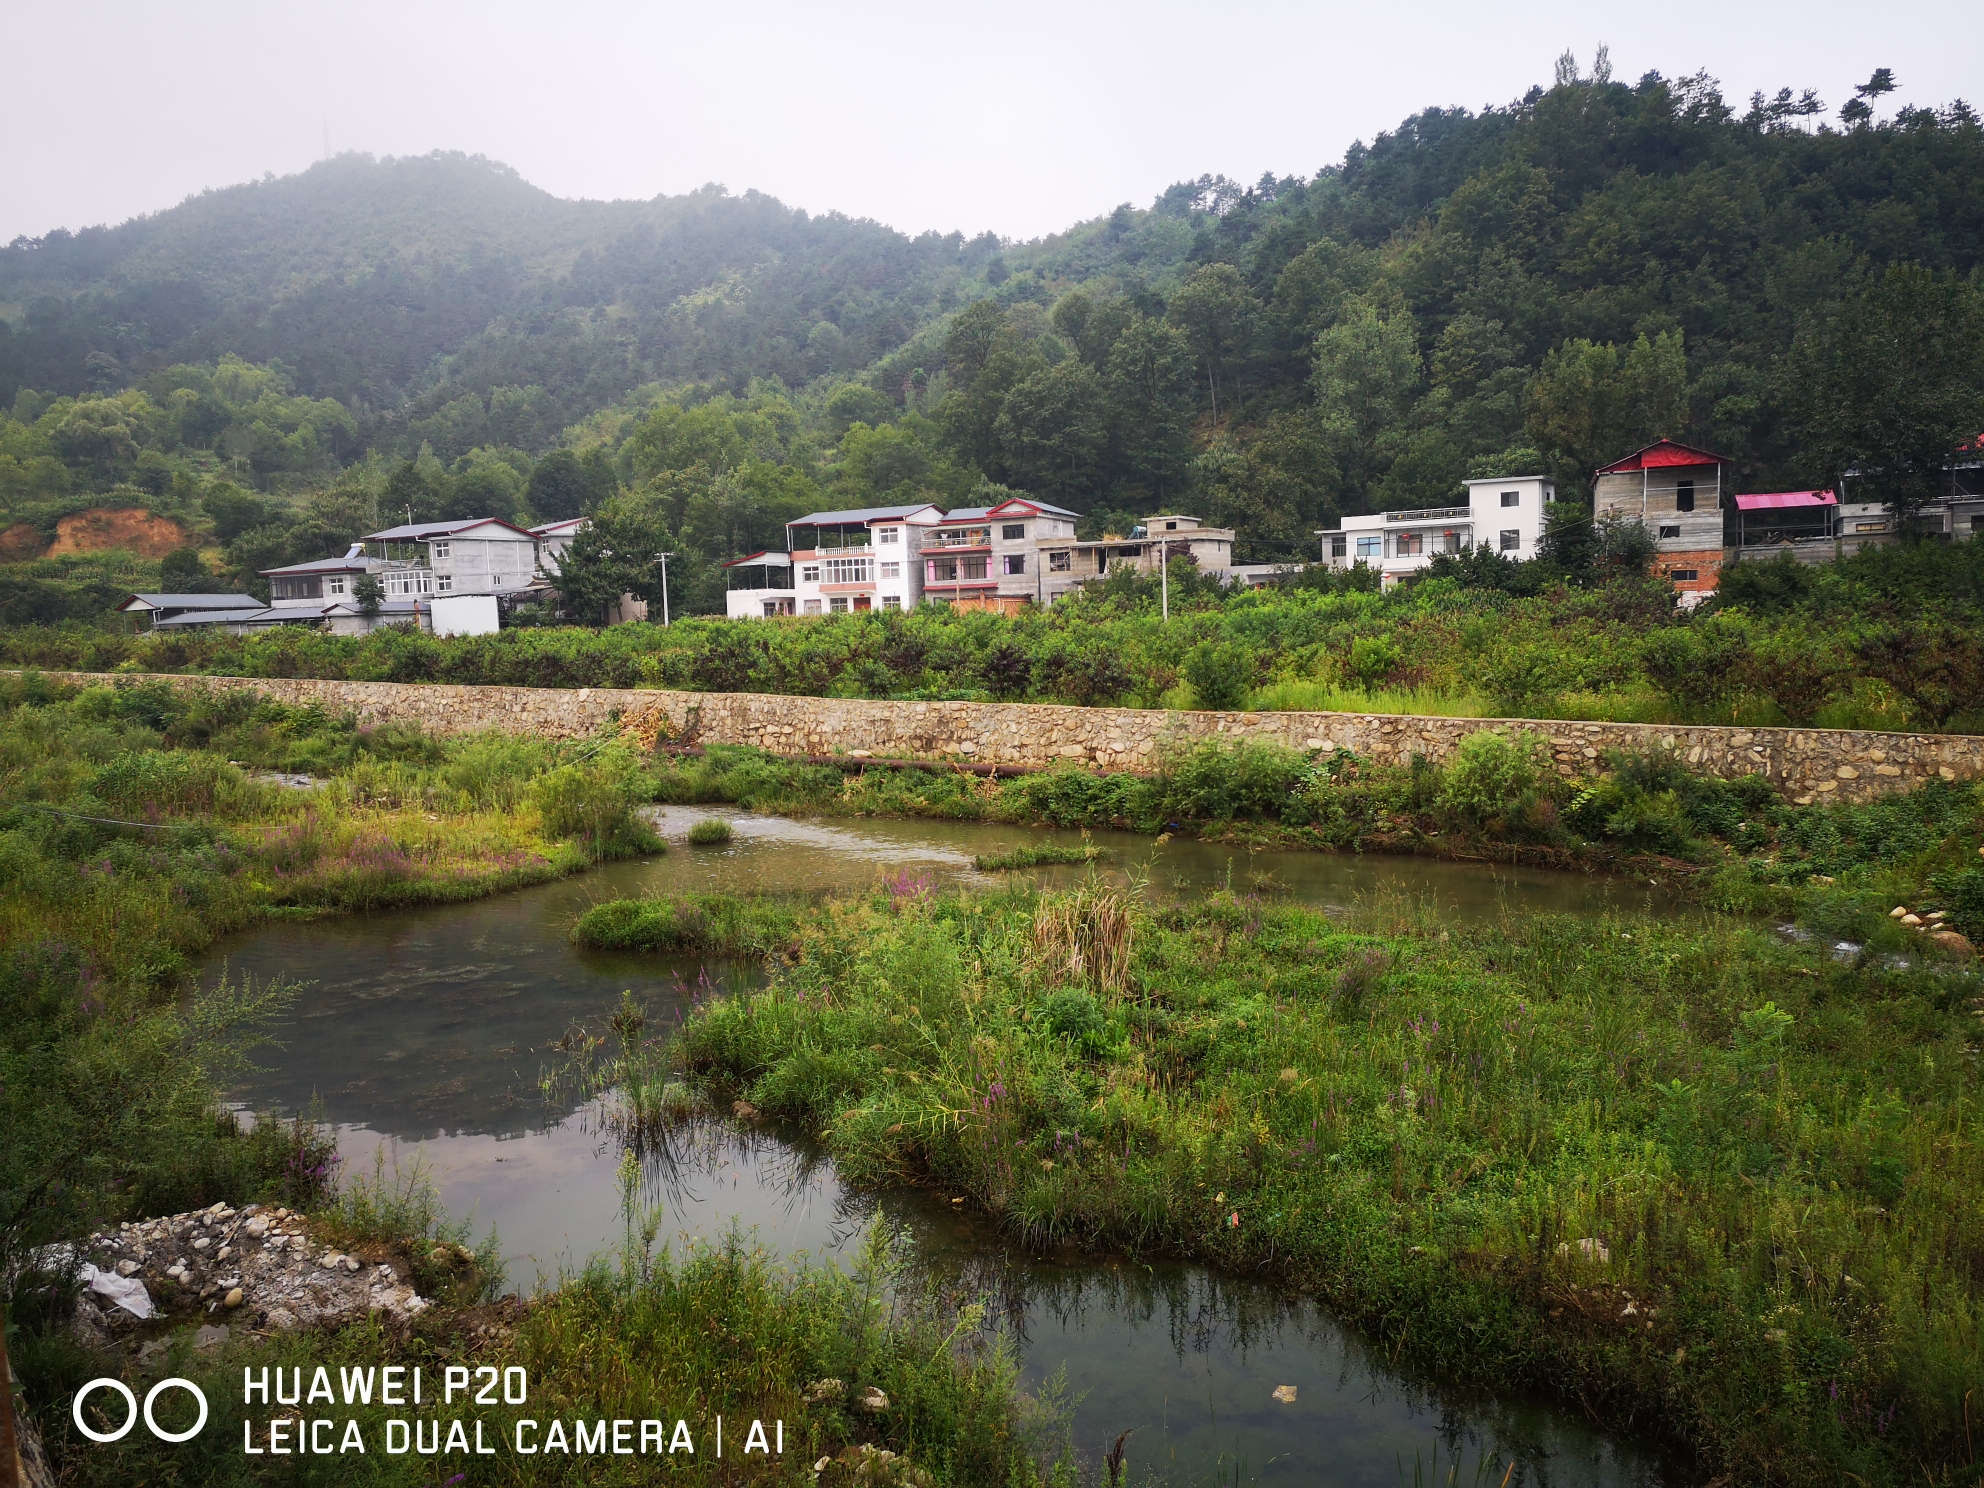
point(1955, 943)
point(265, 1268)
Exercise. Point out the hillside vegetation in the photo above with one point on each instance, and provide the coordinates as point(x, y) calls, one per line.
point(1542, 285)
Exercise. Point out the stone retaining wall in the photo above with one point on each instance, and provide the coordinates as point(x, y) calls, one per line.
point(1806, 764)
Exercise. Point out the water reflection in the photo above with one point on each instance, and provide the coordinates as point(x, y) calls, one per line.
point(424, 1036)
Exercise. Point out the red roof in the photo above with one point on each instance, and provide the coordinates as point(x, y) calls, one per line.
point(1778, 500)
point(1661, 454)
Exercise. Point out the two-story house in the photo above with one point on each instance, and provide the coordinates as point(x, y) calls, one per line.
point(1676, 491)
point(481, 555)
point(1503, 513)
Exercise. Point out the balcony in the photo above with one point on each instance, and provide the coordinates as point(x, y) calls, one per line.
point(1432, 514)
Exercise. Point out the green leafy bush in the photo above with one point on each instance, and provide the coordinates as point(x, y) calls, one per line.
point(1493, 776)
point(596, 804)
point(711, 831)
point(1221, 675)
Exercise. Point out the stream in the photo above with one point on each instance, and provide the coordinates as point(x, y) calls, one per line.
point(421, 1036)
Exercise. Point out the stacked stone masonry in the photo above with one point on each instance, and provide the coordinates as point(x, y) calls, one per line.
point(1805, 764)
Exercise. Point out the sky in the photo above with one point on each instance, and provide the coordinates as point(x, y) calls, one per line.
point(1020, 118)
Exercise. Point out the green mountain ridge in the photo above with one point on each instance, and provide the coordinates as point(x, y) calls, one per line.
point(1546, 285)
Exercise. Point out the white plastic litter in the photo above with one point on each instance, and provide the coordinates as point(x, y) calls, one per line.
point(128, 1292)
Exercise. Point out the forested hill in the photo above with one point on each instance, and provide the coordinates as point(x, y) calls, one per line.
point(1543, 285)
point(395, 285)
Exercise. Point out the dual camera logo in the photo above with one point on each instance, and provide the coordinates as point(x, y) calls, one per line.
point(132, 1411)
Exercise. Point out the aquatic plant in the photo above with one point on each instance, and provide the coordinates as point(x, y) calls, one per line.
point(711, 831)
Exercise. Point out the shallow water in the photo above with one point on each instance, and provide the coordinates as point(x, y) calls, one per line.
point(424, 1035)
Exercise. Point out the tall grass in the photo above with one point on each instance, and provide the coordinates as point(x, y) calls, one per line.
point(1688, 1172)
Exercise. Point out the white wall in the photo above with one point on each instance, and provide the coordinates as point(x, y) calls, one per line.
point(465, 614)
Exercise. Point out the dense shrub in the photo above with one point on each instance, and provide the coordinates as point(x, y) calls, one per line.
point(1494, 776)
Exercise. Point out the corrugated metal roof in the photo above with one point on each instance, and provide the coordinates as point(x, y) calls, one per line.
point(862, 514)
point(763, 558)
point(1780, 500)
point(254, 614)
point(424, 531)
point(191, 601)
point(1662, 454)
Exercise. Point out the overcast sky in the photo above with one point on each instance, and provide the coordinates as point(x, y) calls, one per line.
point(1021, 118)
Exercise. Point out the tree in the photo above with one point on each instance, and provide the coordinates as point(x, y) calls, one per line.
point(1217, 312)
point(233, 510)
point(1367, 374)
point(1591, 403)
point(612, 555)
point(182, 572)
point(1891, 384)
point(369, 591)
point(1150, 397)
point(559, 489)
point(408, 490)
point(1051, 431)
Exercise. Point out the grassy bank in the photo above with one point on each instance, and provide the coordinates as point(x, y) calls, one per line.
point(1704, 1180)
point(135, 828)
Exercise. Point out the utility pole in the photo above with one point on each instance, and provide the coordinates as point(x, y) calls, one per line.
point(662, 559)
point(1164, 577)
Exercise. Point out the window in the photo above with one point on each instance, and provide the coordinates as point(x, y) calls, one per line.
point(1339, 545)
point(1511, 540)
point(891, 601)
point(810, 573)
point(1370, 547)
point(1016, 563)
point(446, 582)
point(1410, 544)
point(1451, 541)
point(1670, 529)
point(1883, 526)
point(1684, 575)
point(812, 607)
point(889, 534)
point(771, 608)
point(1170, 526)
point(440, 550)
point(974, 568)
point(1512, 498)
point(1013, 531)
point(1060, 562)
point(1684, 496)
point(892, 570)
point(849, 570)
point(838, 604)
point(335, 584)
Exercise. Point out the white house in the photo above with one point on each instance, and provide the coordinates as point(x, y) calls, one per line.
point(999, 557)
point(836, 562)
point(1503, 514)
